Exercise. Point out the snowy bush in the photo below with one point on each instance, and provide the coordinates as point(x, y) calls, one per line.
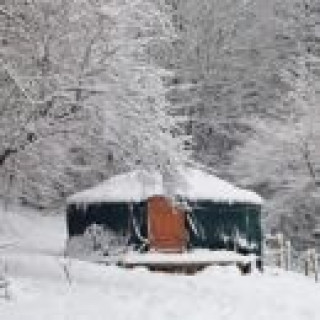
point(96, 242)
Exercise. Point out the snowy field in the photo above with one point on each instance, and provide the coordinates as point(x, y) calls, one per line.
point(39, 288)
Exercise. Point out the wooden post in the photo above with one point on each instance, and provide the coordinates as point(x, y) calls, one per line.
point(316, 266)
point(313, 262)
point(288, 255)
point(280, 260)
point(66, 264)
point(4, 282)
point(307, 263)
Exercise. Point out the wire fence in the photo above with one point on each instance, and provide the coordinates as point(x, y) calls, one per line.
point(278, 252)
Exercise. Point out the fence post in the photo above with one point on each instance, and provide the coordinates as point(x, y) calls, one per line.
point(4, 282)
point(280, 262)
point(316, 266)
point(311, 263)
point(307, 263)
point(288, 255)
point(314, 262)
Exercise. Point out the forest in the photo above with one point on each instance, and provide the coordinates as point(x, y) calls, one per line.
point(91, 88)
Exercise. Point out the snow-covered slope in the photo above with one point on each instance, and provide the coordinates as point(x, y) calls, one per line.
point(99, 292)
point(26, 230)
point(39, 288)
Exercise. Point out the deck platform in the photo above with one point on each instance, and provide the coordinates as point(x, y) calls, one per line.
point(187, 262)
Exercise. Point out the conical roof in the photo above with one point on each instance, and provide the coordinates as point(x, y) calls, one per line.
point(139, 185)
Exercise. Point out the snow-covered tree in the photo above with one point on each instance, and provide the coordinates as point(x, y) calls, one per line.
point(281, 157)
point(223, 71)
point(83, 97)
point(282, 160)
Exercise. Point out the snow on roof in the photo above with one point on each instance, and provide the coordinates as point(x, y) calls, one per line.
point(200, 185)
point(139, 185)
point(134, 186)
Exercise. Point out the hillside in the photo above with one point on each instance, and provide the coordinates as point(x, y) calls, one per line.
point(39, 287)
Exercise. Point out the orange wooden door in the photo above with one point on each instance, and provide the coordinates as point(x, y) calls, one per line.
point(166, 224)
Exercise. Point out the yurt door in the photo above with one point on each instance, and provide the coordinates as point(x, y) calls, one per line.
point(166, 226)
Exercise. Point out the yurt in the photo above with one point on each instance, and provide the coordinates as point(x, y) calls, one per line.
point(200, 211)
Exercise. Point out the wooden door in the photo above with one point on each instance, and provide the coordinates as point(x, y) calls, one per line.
point(166, 226)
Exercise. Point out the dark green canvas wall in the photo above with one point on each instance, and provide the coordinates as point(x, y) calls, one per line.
point(215, 225)
point(219, 225)
point(119, 217)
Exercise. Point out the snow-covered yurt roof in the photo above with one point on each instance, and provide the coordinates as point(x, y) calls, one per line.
point(139, 185)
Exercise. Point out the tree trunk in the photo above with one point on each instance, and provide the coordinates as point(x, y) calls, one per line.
point(6, 154)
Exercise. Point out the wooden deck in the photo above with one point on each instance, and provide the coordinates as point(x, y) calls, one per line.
point(186, 262)
point(178, 267)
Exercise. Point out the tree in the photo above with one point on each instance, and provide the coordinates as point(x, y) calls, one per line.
point(86, 100)
point(223, 72)
point(281, 160)
point(247, 79)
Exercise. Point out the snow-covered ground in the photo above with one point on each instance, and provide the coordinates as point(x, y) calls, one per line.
point(26, 230)
point(39, 288)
